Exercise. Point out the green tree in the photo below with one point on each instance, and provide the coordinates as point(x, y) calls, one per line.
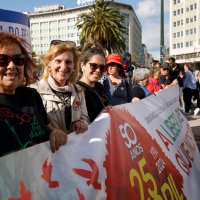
point(103, 24)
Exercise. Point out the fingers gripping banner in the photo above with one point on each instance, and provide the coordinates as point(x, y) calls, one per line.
point(142, 150)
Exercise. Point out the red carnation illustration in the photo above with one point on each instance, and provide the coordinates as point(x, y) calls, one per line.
point(91, 175)
point(78, 103)
point(80, 195)
point(25, 194)
point(47, 172)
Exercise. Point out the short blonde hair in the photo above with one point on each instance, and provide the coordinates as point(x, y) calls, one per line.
point(56, 50)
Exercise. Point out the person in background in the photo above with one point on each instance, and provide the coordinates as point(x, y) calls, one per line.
point(23, 120)
point(196, 93)
point(63, 100)
point(155, 63)
point(176, 75)
point(176, 71)
point(189, 86)
point(119, 88)
point(154, 85)
point(126, 59)
point(93, 66)
point(164, 76)
point(140, 80)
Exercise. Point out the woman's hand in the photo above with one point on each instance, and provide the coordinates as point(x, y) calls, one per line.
point(57, 138)
point(135, 99)
point(80, 126)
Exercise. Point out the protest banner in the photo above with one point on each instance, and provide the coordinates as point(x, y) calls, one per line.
point(16, 23)
point(143, 150)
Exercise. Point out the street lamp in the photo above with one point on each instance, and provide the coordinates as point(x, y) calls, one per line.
point(162, 46)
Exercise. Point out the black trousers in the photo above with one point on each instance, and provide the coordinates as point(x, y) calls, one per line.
point(187, 98)
point(196, 97)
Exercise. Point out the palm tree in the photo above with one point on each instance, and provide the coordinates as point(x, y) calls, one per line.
point(103, 24)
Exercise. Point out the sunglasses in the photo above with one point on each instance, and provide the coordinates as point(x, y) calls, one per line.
point(18, 59)
point(94, 66)
point(56, 42)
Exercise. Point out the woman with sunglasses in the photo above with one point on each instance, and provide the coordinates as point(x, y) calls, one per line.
point(93, 67)
point(23, 119)
point(63, 100)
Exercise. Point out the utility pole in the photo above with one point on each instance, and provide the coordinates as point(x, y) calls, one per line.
point(162, 46)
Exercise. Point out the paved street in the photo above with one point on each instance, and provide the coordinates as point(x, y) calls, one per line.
point(194, 122)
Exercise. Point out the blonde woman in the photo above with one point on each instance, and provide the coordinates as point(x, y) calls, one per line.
point(154, 85)
point(63, 100)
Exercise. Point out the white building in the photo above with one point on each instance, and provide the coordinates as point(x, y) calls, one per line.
point(185, 30)
point(56, 22)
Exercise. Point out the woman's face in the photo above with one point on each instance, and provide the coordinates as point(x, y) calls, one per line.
point(112, 69)
point(11, 73)
point(61, 67)
point(156, 75)
point(93, 69)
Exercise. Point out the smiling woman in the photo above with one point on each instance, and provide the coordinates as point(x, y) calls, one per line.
point(23, 119)
point(93, 66)
point(63, 100)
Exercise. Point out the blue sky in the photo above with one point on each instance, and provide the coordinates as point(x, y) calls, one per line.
point(148, 12)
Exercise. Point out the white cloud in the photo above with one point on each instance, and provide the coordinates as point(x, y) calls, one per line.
point(148, 12)
point(147, 9)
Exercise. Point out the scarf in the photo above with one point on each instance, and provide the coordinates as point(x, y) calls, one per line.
point(54, 86)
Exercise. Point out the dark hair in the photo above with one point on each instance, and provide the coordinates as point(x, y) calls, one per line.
point(172, 59)
point(120, 70)
point(89, 50)
point(7, 39)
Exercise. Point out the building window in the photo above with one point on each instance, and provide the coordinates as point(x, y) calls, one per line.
point(174, 35)
point(191, 7)
point(181, 10)
point(174, 46)
point(174, 1)
point(174, 24)
point(181, 33)
point(187, 20)
point(182, 22)
point(174, 13)
point(181, 45)
point(187, 9)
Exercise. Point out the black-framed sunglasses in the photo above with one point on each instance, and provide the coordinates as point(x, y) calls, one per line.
point(56, 42)
point(18, 59)
point(94, 66)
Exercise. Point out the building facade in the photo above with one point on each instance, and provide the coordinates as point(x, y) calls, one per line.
point(185, 31)
point(56, 22)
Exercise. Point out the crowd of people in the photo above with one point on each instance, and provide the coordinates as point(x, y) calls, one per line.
point(76, 85)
